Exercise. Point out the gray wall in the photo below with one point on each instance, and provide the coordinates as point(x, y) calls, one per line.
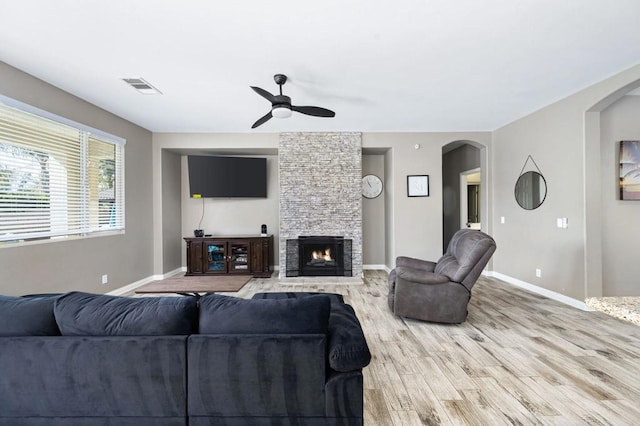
point(461, 159)
point(530, 239)
point(389, 223)
point(564, 140)
point(222, 216)
point(79, 263)
point(620, 230)
point(415, 224)
point(171, 206)
point(373, 215)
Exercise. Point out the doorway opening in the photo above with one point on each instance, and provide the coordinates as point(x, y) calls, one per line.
point(470, 190)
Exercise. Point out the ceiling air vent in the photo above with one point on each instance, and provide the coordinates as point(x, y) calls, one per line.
point(142, 86)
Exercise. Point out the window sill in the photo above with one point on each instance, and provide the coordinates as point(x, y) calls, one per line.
point(31, 242)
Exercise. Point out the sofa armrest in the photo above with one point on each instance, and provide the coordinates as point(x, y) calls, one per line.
point(348, 349)
point(419, 264)
point(422, 277)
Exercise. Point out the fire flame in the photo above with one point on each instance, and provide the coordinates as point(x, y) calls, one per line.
point(318, 254)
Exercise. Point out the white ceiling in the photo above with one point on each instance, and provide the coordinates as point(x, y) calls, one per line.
point(381, 65)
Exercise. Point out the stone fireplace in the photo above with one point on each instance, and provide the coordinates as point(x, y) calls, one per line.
point(321, 193)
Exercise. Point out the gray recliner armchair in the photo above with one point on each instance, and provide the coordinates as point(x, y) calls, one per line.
point(440, 291)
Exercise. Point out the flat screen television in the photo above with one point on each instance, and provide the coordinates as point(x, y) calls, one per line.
point(211, 177)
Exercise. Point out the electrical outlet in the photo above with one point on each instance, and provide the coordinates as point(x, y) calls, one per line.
point(105, 279)
point(501, 219)
point(538, 272)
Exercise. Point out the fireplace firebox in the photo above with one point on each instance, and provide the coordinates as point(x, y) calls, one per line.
point(317, 256)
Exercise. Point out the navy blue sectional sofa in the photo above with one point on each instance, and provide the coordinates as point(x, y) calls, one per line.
point(87, 359)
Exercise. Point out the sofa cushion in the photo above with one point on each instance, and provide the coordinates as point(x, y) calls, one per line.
point(27, 316)
point(86, 314)
point(231, 315)
point(348, 349)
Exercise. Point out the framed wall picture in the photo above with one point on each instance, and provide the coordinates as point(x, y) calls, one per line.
point(418, 185)
point(630, 170)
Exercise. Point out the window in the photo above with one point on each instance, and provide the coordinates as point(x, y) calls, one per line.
point(57, 177)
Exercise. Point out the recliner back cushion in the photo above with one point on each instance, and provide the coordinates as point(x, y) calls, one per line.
point(232, 315)
point(463, 253)
point(27, 316)
point(86, 314)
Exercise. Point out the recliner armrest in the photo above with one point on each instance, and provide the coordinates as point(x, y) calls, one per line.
point(413, 263)
point(422, 277)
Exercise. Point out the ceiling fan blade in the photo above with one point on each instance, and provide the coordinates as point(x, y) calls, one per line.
point(268, 96)
point(262, 120)
point(313, 110)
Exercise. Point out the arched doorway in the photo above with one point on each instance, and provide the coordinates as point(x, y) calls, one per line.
point(463, 195)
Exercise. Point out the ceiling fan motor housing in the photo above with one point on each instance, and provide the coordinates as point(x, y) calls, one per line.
point(280, 79)
point(281, 101)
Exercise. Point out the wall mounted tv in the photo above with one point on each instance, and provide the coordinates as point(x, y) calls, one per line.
point(224, 177)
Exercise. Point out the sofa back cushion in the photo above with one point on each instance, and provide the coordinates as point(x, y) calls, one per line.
point(231, 315)
point(27, 316)
point(86, 314)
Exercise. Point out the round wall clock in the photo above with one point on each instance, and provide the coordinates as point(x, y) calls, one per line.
point(371, 186)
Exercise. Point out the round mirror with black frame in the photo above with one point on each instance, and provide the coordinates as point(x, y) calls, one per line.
point(530, 190)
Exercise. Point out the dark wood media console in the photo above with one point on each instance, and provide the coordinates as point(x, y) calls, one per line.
point(242, 255)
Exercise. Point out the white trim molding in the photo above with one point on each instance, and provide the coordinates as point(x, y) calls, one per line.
point(131, 287)
point(540, 290)
point(376, 267)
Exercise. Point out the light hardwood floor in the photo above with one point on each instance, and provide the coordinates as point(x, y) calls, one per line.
point(520, 358)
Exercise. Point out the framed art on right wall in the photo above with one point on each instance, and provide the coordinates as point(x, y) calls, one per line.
point(630, 170)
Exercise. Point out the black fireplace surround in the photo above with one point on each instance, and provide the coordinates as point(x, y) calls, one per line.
point(319, 256)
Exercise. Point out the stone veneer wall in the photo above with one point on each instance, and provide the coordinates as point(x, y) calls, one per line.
point(321, 189)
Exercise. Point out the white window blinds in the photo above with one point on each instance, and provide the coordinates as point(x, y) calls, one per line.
point(57, 177)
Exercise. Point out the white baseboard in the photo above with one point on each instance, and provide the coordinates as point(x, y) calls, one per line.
point(131, 287)
point(539, 290)
point(376, 268)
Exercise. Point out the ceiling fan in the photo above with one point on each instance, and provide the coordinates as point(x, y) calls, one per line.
point(281, 105)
